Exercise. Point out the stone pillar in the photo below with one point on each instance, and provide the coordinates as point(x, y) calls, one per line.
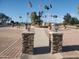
point(57, 42)
point(28, 42)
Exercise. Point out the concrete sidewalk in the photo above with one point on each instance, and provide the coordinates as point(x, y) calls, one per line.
point(40, 39)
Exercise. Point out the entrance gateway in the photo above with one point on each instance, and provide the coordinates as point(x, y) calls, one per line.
point(28, 42)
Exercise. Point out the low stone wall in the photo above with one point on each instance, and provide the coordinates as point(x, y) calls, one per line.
point(28, 42)
point(57, 42)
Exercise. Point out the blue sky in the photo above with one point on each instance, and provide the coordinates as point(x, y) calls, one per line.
point(16, 8)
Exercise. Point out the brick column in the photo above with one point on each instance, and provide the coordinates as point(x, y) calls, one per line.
point(28, 42)
point(57, 42)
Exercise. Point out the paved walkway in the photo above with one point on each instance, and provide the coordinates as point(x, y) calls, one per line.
point(40, 39)
point(41, 43)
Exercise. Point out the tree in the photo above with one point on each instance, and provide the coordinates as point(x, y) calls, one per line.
point(74, 21)
point(55, 16)
point(70, 20)
point(33, 17)
point(36, 19)
point(67, 18)
point(39, 21)
point(12, 23)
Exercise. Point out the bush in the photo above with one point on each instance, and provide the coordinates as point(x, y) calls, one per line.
point(77, 25)
point(43, 26)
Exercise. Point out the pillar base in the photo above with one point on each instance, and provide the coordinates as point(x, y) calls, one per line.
point(57, 42)
point(28, 42)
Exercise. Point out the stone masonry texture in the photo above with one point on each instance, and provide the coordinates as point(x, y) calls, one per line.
point(28, 43)
point(57, 42)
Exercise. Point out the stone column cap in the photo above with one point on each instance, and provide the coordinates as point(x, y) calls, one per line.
point(57, 33)
point(29, 32)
